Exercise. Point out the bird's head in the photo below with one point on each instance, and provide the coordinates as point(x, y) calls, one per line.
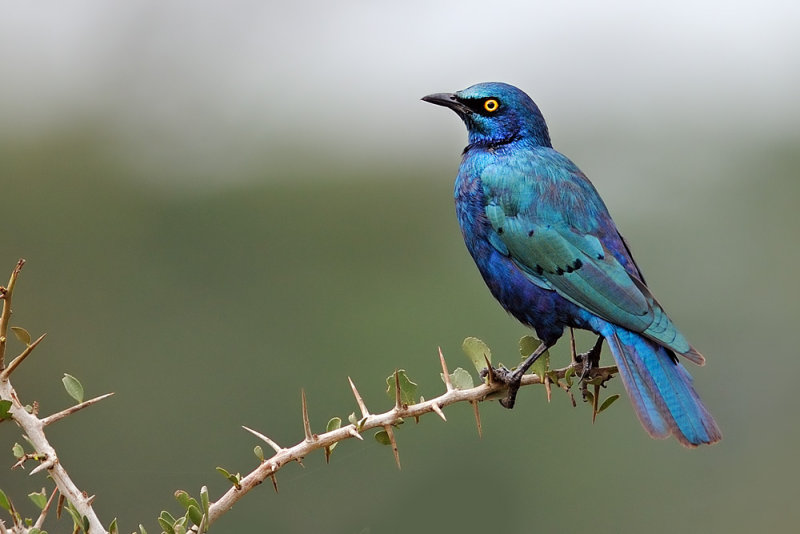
point(496, 113)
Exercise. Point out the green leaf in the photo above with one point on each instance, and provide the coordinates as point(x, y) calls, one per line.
point(22, 334)
point(73, 387)
point(204, 499)
point(195, 515)
point(18, 451)
point(476, 350)
point(113, 528)
point(76, 517)
point(568, 375)
point(233, 479)
point(5, 406)
point(352, 418)
point(185, 499)
point(588, 396)
point(382, 437)
point(4, 502)
point(166, 526)
point(596, 381)
point(259, 452)
point(333, 424)
point(460, 379)
point(39, 499)
point(608, 402)
point(527, 346)
point(541, 365)
point(141, 529)
point(408, 389)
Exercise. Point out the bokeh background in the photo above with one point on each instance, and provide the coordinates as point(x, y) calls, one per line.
point(222, 203)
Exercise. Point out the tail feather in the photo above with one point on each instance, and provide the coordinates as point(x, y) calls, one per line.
point(661, 390)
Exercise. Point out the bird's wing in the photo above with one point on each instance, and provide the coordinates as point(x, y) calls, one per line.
point(555, 253)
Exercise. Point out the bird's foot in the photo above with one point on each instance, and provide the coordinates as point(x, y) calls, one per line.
point(510, 379)
point(590, 359)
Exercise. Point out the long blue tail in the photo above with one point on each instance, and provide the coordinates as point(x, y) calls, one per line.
point(660, 389)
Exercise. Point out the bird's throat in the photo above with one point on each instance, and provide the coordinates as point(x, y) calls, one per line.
point(492, 144)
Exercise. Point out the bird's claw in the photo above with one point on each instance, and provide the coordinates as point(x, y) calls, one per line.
point(590, 359)
point(505, 376)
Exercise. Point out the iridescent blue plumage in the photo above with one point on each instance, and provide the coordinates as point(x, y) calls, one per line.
point(550, 253)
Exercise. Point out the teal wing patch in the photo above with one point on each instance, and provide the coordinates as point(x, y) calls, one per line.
point(580, 269)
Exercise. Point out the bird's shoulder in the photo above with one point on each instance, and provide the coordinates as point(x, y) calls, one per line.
point(542, 185)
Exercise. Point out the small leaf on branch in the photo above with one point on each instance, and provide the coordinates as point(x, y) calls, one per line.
point(527, 346)
point(352, 418)
point(334, 424)
point(460, 379)
point(18, 451)
point(233, 479)
point(4, 502)
point(259, 452)
point(195, 516)
point(608, 402)
point(477, 351)
point(73, 387)
point(22, 334)
point(5, 406)
point(113, 528)
point(383, 438)
point(167, 522)
point(76, 517)
point(568, 375)
point(408, 389)
point(204, 499)
point(39, 499)
point(185, 499)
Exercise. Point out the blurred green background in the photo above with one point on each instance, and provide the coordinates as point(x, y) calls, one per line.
point(223, 203)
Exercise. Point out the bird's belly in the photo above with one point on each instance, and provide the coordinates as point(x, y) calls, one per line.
point(542, 309)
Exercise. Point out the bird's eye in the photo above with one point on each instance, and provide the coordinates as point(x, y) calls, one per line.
point(491, 105)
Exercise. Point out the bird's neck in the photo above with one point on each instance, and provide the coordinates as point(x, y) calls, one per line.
point(491, 143)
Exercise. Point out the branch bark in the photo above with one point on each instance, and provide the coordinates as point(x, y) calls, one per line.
point(386, 420)
point(33, 427)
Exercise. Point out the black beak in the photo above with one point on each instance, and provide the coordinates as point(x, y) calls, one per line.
point(447, 100)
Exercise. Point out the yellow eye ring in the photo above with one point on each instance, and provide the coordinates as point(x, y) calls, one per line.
point(491, 105)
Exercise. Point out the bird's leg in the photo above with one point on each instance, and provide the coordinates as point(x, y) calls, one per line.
point(590, 359)
point(514, 379)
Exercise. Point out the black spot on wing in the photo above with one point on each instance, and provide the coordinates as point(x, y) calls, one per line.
point(572, 267)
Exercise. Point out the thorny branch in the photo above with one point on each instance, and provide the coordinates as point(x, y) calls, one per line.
point(386, 420)
point(33, 427)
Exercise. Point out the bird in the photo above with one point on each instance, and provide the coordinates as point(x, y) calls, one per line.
point(551, 255)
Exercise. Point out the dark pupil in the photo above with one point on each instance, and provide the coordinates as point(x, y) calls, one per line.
point(479, 105)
